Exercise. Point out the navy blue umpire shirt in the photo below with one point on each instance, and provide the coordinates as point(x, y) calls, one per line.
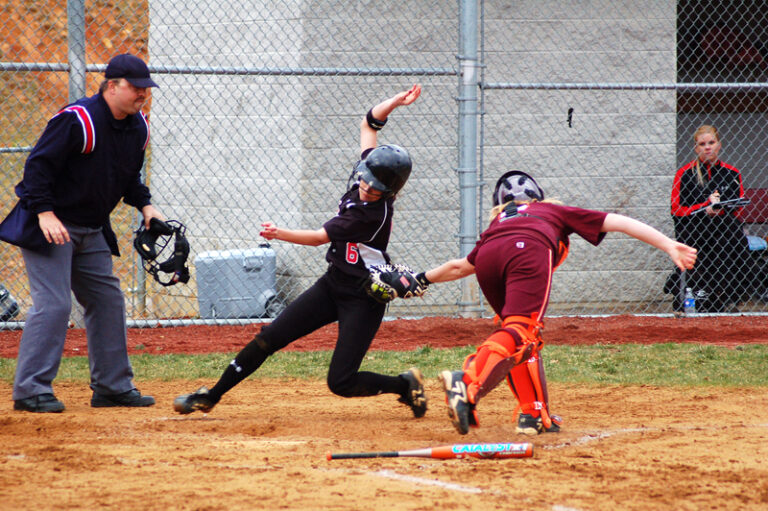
point(84, 163)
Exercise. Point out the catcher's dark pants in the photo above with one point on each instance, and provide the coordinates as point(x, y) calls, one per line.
point(337, 297)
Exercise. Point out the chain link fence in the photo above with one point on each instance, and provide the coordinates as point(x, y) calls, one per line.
point(258, 111)
point(600, 101)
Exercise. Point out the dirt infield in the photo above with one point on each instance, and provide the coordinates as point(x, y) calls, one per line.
point(264, 445)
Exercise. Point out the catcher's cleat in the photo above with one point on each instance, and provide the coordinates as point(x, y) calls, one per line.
point(557, 421)
point(415, 396)
point(198, 400)
point(530, 425)
point(460, 410)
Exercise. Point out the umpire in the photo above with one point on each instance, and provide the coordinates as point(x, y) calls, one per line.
point(88, 158)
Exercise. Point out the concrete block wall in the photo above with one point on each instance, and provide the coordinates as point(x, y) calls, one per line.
point(246, 149)
point(618, 154)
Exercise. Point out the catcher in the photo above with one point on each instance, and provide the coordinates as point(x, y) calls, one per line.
point(358, 235)
point(514, 260)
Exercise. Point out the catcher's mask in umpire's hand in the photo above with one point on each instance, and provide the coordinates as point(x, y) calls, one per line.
point(516, 185)
point(151, 243)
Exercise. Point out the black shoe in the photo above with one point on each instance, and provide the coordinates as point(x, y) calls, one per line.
point(460, 410)
point(415, 397)
point(132, 398)
point(42, 403)
point(198, 400)
point(530, 425)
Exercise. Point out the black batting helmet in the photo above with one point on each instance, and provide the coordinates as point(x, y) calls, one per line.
point(516, 185)
point(386, 169)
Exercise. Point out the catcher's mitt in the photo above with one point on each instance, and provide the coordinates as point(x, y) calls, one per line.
point(389, 281)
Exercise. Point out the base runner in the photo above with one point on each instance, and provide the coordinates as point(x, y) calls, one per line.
point(358, 236)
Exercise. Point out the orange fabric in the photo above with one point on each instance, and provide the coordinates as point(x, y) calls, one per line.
point(523, 388)
point(489, 361)
point(469, 369)
point(517, 341)
point(497, 348)
point(527, 326)
point(533, 368)
point(562, 254)
point(514, 392)
point(500, 347)
point(524, 379)
point(526, 384)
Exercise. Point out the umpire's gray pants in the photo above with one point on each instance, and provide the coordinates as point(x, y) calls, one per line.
point(83, 265)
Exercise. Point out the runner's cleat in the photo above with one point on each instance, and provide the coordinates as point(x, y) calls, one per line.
point(415, 398)
point(198, 400)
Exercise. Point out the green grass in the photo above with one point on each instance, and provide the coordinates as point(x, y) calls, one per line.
point(625, 364)
point(659, 364)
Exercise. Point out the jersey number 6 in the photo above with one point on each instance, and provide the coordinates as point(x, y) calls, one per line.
point(352, 254)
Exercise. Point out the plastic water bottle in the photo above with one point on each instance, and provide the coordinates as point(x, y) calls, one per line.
point(689, 303)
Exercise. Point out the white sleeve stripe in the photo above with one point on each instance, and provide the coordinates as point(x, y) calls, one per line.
point(146, 123)
point(383, 222)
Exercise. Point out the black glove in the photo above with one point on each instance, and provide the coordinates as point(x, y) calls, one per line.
point(387, 282)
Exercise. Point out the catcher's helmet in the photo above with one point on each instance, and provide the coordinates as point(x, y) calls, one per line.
point(516, 185)
point(151, 243)
point(386, 169)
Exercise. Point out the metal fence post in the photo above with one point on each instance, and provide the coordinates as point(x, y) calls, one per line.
point(76, 58)
point(76, 52)
point(468, 110)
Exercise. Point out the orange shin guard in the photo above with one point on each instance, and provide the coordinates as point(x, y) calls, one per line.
point(486, 368)
point(520, 383)
point(525, 380)
point(529, 387)
point(533, 368)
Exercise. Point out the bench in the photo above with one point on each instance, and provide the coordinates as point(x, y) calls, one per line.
point(755, 218)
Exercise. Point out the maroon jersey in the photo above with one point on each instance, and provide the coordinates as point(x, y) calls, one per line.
point(516, 256)
point(359, 233)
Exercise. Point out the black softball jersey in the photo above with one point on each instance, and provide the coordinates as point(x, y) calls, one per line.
point(359, 234)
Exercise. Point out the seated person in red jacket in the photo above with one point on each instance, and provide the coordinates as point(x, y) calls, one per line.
point(725, 273)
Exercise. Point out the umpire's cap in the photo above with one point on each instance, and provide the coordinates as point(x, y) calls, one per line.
point(516, 185)
point(386, 169)
point(130, 67)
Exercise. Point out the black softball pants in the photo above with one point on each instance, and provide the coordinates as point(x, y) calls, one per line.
point(337, 297)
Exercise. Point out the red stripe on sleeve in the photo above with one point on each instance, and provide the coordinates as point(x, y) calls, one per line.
point(89, 133)
point(677, 208)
